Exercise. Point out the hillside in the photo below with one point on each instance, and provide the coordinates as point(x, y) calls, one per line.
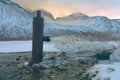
point(16, 23)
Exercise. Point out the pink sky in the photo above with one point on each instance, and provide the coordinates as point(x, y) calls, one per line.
point(60, 8)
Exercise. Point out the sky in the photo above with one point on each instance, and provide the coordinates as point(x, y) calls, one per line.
point(60, 8)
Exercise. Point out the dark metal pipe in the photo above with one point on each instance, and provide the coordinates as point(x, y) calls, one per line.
point(38, 38)
point(46, 38)
point(37, 44)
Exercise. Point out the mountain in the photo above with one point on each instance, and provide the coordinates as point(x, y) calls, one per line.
point(45, 14)
point(91, 24)
point(96, 27)
point(116, 20)
point(74, 16)
point(16, 23)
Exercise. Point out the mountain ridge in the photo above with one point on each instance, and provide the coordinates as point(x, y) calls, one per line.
point(16, 22)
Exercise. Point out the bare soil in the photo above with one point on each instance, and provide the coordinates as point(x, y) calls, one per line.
point(12, 68)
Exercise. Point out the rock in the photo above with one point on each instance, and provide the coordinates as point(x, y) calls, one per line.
point(51, 72)
point(62, 54)
point(8, 64)
point(104, 55)
point(26, 58)
point(83, 61)
point(62, 68)
point(41, 65)
point(53, 77)
point(26, 63)
point(20, 65)
point(10, 76)
point(0, 65)
point(1, 78)
point(51, 55)
point(48, 62)
point(27, 72)
point(17, 59)
point(18, 76)
point(52, 60)
point(19, 56)
point(116, 55)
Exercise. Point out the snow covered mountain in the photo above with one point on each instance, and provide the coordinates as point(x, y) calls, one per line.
point(16, 23)
point(96, 23)
point(45, 14)
point(72, 17)
point(80, 24)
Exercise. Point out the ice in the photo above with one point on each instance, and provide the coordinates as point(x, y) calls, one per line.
point(23, 46)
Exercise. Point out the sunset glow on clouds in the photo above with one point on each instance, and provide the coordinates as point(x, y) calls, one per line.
point(59, 8)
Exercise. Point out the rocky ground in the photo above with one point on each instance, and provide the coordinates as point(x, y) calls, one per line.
point(72, 62)
point(12, 67)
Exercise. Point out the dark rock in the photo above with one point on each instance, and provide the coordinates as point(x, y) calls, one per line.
point(51, 72)
point(26, 58)
point(0, 65)
point(8, 64)
point(19, 56)
point(63, 54)
point(17, 59)
point(102, 55)
point(82, 61)
point(1, 78)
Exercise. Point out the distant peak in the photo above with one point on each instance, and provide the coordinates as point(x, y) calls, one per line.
point(74, 16)
point(77, 14)
point(45, 14)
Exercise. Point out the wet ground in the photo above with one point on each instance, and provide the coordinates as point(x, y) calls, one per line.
point(12, 68)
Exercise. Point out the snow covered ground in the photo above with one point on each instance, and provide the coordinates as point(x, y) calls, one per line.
point(23, 46)
point(105, 72)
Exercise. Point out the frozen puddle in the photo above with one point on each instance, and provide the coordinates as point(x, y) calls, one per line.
point(23, 46)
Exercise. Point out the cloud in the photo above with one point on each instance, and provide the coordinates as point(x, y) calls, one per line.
point(110, 8)
point(31, 4)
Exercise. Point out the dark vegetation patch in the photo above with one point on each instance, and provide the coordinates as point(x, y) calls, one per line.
point(104, 55)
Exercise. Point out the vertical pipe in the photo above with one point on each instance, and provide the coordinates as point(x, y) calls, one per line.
point(37, 43)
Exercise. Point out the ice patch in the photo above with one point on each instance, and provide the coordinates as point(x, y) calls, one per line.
point(23, 46)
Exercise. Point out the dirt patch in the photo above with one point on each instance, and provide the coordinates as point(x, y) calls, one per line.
point(12, 68)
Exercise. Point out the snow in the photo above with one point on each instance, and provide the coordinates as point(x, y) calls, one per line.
point(116, 55)
point(105, 71)
point(17, 23)
point(23, 46)
point(26, 63)
point(74, 44)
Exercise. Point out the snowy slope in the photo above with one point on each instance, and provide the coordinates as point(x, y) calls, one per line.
point(105, 72)
point(78, 23)
point(96, 23)
point(16, 23)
